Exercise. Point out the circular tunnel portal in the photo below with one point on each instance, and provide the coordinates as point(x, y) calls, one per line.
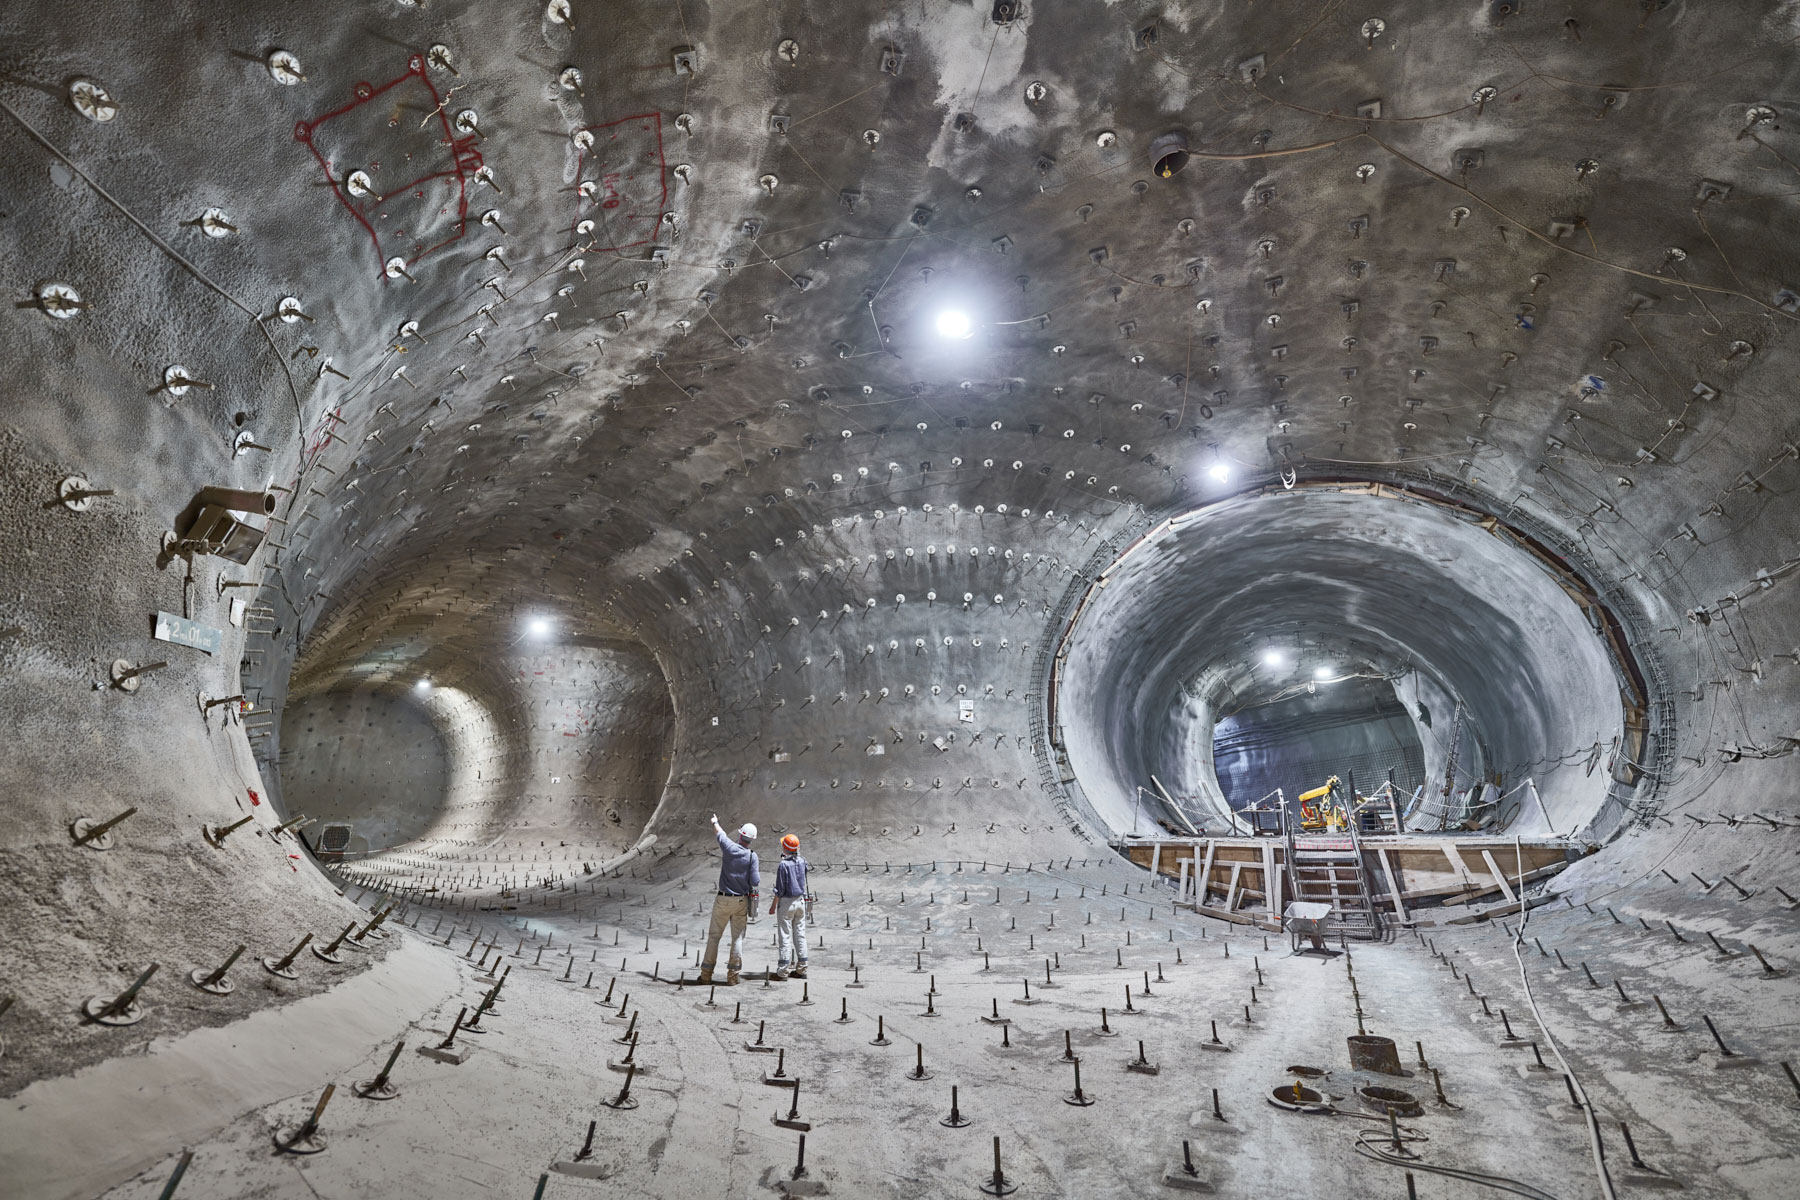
point(561, 738)
point(1273, 640)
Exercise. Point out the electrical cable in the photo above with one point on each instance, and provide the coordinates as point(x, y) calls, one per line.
point(1733, 69)
point(1358, 119)
point(1369, 1149)
point(1366, 1140)
point(1554, 244)
point(1282, 153)
point(196, 272)
point(1587, 1108)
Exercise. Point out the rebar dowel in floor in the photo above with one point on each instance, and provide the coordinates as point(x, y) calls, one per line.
point(379, 1088)
point(187, 1156)
point(624, 1099)
point(955, 1120)
point(305, 1138)
point(996, 1184)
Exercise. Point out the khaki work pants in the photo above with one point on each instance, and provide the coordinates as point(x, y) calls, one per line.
point(790, 930)
point(733, 911)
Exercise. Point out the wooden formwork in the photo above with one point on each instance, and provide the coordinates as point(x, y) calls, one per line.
point(1232, 876)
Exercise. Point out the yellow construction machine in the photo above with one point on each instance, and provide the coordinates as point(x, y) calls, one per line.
point(1322, 809)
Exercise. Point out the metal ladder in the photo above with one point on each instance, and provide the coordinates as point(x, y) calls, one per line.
point(1329, 869)
point(1450, 765)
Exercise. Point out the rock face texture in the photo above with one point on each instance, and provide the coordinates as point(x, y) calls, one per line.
point(518, 432)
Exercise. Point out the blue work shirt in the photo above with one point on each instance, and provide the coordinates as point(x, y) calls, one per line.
point(790, 877)
point(739, 875)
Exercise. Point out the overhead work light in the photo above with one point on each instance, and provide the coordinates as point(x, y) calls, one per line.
point(954, 323)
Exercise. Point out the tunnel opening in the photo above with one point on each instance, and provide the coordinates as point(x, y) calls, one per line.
point(370, 768)
point(530, 747)
point(1242, 653)
point(1354, 727)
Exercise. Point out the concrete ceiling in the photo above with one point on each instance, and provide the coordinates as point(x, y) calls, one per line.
point(1361, 266)
point(655, 313)
point(660, 287)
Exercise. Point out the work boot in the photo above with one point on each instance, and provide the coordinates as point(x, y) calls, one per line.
point(731, 980)
point(706, 976)
point(779, 975)
point(799, 972)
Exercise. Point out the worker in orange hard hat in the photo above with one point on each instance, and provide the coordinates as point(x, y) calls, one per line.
point(790, 899)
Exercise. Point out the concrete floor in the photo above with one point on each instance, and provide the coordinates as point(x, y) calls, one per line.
point(521, 1101)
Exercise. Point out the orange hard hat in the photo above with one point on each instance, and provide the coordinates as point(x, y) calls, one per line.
point(790, 842)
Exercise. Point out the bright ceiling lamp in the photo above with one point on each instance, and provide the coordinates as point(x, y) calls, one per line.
point(954, 323)
point(1323, 672)
point(424, 685)
point(1274, 658)
point(539, 626)
point(1220, 468)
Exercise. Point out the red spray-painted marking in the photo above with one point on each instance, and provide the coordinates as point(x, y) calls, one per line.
point(624, 189)
point(465, 160)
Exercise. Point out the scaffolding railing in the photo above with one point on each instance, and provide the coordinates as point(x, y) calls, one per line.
point(1256, 811)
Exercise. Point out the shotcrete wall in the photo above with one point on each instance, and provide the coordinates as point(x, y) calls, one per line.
point(371, 760)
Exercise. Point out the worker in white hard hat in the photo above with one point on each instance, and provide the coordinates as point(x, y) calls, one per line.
point(739, 878)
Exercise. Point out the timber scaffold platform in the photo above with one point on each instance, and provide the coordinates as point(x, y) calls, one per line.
point(1410, 879)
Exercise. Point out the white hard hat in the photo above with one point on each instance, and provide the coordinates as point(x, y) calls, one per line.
point(748, 832)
